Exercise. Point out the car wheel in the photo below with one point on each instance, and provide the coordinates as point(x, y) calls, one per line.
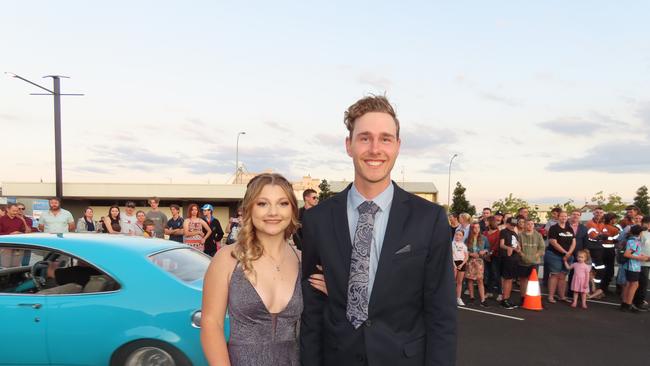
point(149, 353)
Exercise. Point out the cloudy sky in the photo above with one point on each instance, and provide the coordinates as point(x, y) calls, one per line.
point(548, 100)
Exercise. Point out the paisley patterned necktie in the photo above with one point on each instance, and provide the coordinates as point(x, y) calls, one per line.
point(357, 307)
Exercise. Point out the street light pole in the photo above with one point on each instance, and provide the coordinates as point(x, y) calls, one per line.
point(237, 157)
point(449, 182)
point(57, 123)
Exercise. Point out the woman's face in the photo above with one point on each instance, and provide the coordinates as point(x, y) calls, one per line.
point(194, 212)
point(140, 216)
point(476, 229)
point(272, 212)
point(114, 212)
point(521, 224)
point(453, 221)
point(89, 213)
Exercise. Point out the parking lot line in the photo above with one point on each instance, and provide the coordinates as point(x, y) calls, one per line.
point(489, 313)
point(588, 300)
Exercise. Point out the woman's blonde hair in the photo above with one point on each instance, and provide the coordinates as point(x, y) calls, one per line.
point(248, 247)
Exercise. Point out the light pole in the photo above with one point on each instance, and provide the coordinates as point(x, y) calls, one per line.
point(237, 157)
point(57, 123)
point(449, 182)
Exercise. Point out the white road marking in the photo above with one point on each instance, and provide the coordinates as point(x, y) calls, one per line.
point(588, 300)
point(489, 313)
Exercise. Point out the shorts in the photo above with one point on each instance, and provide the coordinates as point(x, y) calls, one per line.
point(463, 268)
point(509, 267)
point(632, 276)
point(525, 270)
point(555, 262)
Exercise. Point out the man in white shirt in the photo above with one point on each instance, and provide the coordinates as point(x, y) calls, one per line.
point(128, 219)
point(56, 220)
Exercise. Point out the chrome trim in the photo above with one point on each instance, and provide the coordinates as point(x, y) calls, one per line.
point(192, 319)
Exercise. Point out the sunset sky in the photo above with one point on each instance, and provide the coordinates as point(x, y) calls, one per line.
point(548, 100)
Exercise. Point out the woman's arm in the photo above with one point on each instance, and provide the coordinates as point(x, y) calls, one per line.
point(186, 228)
point(215, 301)
point(109, 227)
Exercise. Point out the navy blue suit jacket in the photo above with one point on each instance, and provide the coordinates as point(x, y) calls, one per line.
point(412, 308)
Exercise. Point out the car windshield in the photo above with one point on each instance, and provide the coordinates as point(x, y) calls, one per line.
point(186, 264)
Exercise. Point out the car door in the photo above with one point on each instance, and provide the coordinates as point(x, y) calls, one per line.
point(23, 319)
point(85, 321)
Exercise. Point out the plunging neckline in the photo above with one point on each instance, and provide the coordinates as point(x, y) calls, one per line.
point(259, 297)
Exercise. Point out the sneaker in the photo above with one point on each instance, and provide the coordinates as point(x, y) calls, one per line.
point(489, 295)
point(485, 304)
point(460, 302)
point(624, 307)
point(634, 309)
point(466, 292)
point(642, 308)
point(500, 298)
point(507, 305)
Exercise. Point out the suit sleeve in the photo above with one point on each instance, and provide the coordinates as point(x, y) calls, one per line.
point(439, 297)
point(311, 324)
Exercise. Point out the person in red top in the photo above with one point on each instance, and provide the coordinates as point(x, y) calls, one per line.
point(493, 262)
point(595, 246)
point(12, 223)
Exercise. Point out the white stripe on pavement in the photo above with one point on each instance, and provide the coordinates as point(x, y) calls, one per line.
point(489, 313)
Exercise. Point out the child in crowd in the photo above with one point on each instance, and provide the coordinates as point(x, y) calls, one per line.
point(580, 282)
point(461, 255)
point(632, 268)
point(148, 229)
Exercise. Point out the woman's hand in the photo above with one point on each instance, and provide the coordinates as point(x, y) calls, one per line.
point(317, 281)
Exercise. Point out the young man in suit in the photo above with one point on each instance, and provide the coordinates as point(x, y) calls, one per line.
point(386, 257)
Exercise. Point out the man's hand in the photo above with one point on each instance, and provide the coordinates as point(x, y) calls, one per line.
point(509, 250)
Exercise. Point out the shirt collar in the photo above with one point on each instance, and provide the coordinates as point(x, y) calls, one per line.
point(383, 200)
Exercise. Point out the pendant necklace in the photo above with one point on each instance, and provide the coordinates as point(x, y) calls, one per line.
point(277, 265)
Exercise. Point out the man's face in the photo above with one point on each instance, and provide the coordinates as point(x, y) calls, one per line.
point(598, 215)
point(129, 210)
point(575, 217)
point(523, 212)
point(21, 210)
point(311, 200)
point(555, 214)
point(486, 214)
point(631, 213)
point(174, 211)
point(54, 205)
point(637, 219)
point(530, 226)
point(12, 211)
point(153, 204)
point(373, 147)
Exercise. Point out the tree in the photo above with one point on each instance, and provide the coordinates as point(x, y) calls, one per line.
point(567, 206)
point(511, 205)
point(610, 203)
point(460, 204)
point(642, 200)
point(325, 191)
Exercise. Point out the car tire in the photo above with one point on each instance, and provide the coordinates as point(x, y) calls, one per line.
point(149, 352)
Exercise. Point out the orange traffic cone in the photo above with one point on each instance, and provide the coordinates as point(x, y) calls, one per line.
point(533, 299)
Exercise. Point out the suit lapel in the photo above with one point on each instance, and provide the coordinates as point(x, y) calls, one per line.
point(397, 218)
point(342, 229)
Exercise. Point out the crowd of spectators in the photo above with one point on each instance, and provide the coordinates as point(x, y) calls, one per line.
point(578, 260)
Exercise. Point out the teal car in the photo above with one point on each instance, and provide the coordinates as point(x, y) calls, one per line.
point(98, 299)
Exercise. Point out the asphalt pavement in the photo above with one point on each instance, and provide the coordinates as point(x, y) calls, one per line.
point(557, 335)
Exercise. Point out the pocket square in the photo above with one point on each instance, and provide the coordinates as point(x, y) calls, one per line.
point(404, 249)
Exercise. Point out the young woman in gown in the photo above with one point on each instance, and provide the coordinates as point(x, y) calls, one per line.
point(257, 280)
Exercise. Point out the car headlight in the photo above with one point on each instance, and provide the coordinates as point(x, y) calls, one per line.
point(196, 319)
